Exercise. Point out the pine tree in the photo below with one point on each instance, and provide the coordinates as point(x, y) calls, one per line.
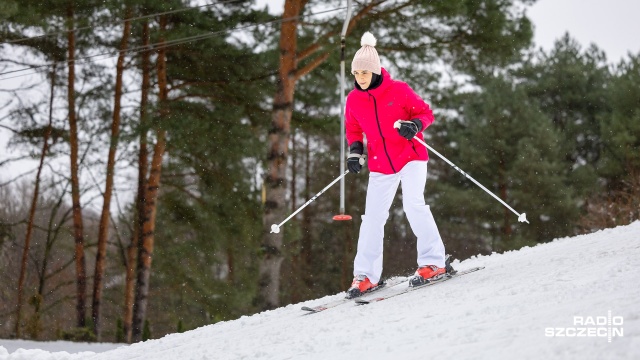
point(209, 203)
point(60, 45)
point(621, 130)
point(507, 144)
point(570, 86)
point(619, 166)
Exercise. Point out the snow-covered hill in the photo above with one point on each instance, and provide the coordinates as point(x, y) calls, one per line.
point(571, 287)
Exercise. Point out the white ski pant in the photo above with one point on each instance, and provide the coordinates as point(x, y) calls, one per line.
point(380, 193)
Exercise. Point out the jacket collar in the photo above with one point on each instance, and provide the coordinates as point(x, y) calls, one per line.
point(386, 82)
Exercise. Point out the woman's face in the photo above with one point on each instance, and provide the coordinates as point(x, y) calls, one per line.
point(363, 78)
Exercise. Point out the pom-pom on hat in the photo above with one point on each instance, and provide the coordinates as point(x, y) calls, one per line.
point(367, 57)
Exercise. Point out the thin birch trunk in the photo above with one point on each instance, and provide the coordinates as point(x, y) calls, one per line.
point(32, 212)
point(81, 271)
point(132, 251)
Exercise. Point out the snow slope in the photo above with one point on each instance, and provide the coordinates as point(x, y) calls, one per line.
point(501, 312)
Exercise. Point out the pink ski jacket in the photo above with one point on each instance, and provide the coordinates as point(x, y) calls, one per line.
point(373, 113)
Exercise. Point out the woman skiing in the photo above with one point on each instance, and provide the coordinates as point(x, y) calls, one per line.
point(373, 107)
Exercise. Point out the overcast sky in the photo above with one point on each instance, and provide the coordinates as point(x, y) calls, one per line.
point(612, 25)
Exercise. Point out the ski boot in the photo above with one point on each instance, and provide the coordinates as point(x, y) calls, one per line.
point(360, 285)
point(430, 273)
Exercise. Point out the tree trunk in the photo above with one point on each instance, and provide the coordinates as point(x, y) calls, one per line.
point(129, 288)
point(275, 179)
point(142, 182)
point(103, 232)
point(145, 248)
point(295, 289)
point(307, 274)
point(81, 272)
point(294, 172)
point(231, 278)
point(503, 188)
point(32, 211)
point(275, 207)
point(51, 234)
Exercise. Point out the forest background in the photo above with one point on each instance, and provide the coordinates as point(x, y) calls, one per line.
point(180, 131)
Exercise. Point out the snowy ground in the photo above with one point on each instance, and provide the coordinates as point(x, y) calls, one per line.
point(52, 346)
point(505, 311)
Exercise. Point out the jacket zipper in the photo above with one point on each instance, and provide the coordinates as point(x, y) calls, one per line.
point(384, 143)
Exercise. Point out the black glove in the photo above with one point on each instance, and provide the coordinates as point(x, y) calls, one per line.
point(355, 154)
point(409, 129)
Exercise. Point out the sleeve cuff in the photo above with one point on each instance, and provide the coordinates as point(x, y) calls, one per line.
point(418, 123)
point(356, 148)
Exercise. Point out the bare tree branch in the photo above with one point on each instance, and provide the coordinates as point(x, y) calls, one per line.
point(18, 177)
point(312, 65)
point(6, 161)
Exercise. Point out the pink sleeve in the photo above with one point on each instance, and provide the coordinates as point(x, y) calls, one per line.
point(417, 108)
point(352, 127)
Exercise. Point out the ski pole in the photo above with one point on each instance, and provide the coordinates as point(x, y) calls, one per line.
point(521, 217)
point(275, 228)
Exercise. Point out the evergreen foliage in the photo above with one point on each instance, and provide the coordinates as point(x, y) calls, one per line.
point(119, 331)
point(146, 331)
point(544, 131)
point(507, 144)
point(621, 129)
point(571, 87)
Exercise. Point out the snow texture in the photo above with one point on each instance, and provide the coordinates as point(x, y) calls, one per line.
point(505, 311)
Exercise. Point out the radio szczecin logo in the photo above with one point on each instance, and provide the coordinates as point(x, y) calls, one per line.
point(590, 326)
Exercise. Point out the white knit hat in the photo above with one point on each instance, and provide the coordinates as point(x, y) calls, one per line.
point(367, 57)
